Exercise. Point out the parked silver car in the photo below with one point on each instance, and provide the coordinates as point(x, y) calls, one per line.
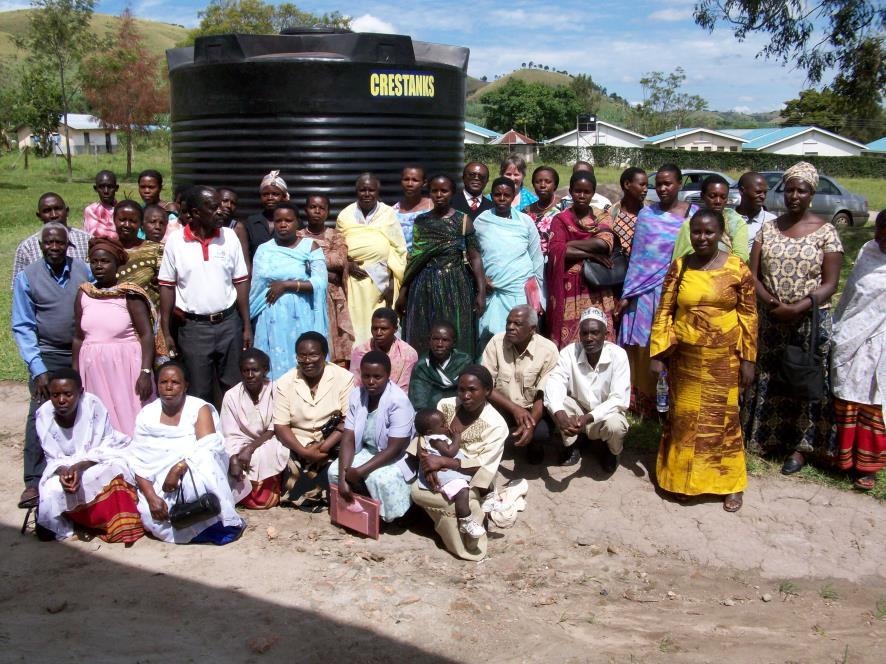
point(832, 200)
point(691, 190)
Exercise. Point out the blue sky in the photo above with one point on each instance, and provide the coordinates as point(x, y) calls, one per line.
point(615, 42)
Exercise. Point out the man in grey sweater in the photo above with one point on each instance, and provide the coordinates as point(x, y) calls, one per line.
point(43, 297)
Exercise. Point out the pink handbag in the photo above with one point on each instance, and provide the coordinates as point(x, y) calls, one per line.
point(361, 516)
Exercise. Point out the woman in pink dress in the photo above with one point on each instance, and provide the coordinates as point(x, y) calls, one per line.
point(114, 337)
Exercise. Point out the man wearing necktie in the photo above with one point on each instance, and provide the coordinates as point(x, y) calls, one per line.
point(471, 201)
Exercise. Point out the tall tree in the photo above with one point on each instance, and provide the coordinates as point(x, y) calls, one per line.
point(822, 109)
point(537, 110)
point(32, 97)
point(257, 17)
point(58, 37)
point(665, 104)
point(816, 35)
point(124, 85)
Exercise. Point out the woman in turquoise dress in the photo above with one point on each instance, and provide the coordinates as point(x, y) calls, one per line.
point(437, 285)
point(378, 428)
point(288, 294)
point(512, 260)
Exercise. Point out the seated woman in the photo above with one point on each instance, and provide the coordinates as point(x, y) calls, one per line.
point(87, 481)
point(483, 433)
point(378, 427)
point(176, 452)
point(436, 373)
point(248, 428)
point(288, 291)
point(114, 337)
point(384, 338)
point(308, 400)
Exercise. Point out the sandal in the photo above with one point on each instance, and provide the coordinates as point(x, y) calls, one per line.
point(732, 502)
point(865, 482)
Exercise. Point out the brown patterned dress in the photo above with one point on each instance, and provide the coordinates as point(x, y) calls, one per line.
point(341, 331)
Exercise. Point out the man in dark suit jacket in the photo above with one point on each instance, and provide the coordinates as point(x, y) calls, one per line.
point(471, 200)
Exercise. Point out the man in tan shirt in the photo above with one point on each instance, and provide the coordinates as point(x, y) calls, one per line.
point(520, 360)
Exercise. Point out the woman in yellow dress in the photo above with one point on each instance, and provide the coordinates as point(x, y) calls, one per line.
point(705, 334)
point(376, 255)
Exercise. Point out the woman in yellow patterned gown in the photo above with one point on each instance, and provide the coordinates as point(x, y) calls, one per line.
point(705, 334)
point(376, 255)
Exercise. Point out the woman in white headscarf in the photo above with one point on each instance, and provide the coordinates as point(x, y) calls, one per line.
point(796, 261)
point(259, 228)
point(858, 364)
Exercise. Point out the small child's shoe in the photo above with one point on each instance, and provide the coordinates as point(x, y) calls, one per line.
point(467, 526)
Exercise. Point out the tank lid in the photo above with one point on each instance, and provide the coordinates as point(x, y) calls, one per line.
point(303, 42)
point(313, 30)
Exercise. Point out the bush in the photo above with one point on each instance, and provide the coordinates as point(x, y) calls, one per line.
point(652, 158)
point(488, 154)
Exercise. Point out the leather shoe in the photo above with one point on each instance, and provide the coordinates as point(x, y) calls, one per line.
point(535, 454)
point(609, 462)
point(570, 456)
point(793, 464)
point(29, 498)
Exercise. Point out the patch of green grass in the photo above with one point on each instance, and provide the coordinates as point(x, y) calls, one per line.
point(880, 610)
point(20, 189)
point(828, 591)
point(788, 589)
point(668, 645)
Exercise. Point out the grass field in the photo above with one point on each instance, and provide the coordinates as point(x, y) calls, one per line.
point(20, 189)
point(157, 36)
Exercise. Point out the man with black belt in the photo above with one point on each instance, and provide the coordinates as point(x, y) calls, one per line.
point(471, 200)
point(204, 278)
point(43, 295)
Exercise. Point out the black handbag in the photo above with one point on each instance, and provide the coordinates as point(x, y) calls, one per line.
point(600, 276)
point(187, 513)
point(800, 374)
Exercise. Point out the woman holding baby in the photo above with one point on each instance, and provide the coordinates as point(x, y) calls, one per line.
point(481, 433)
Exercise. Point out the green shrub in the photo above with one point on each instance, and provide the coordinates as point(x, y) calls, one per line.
point(652, 158)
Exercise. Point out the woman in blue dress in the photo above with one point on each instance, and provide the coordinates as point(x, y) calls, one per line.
point(288, 294)
point(512, 260)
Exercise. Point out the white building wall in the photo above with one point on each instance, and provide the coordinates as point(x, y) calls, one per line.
point(606, 136)
point(702, 141)
point(815, 143)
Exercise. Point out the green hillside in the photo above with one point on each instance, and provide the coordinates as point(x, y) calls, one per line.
point(551, 78)
point(158, 36)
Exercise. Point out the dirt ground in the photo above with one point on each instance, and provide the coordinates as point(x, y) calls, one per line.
point(596, 570)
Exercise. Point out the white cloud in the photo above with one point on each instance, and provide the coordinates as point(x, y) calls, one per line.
point(671, 15)
point(11, 5)
point(742, 109)
point(370, 23)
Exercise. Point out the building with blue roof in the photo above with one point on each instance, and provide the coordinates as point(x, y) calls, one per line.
point(806, 141)
point(877, 147)
point(476, 134)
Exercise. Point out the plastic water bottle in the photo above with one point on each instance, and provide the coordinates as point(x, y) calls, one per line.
point(661, 393)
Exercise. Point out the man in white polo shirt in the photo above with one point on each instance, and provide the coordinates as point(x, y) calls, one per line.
point(203, 277)
point(590, 389)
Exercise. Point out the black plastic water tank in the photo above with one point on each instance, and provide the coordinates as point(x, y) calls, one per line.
point(319, 106)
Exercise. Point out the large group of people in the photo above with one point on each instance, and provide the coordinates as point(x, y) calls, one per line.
point(185, 360)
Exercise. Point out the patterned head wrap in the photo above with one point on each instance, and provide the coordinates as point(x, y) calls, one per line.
point(113, 247)
point(593, 313)
point(273, 179)
point(804, 171)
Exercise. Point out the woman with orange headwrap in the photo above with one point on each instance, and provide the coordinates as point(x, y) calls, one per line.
point(114, 337)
